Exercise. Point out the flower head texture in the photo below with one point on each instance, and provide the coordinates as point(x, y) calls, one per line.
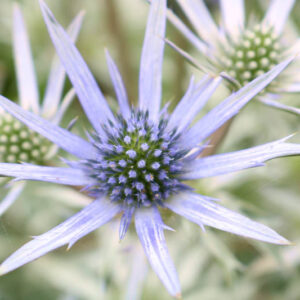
point(244, 50)
point(136, 162)
point(17, 142)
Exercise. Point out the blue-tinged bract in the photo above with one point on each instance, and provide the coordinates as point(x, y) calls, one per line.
point(136, 161)
point(18, 143)
point(243, 50)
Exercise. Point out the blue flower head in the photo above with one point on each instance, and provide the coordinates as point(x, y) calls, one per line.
point(17, 142)
point(244, 50)
point(136, 162)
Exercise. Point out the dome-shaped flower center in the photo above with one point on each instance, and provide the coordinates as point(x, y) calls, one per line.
point(256, 52)
point(139, 162)
point(20, 144)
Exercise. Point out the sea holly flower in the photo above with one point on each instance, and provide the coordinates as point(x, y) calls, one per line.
point(243, 50)
point(17, 142)
point(136, 163)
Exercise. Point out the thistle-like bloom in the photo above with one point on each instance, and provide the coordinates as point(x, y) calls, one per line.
point(243, 50)
point(136, 162)
point(17, 142)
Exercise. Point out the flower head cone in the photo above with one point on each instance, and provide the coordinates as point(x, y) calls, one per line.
point(243, 50)
point(19, 144)
point(136, 162)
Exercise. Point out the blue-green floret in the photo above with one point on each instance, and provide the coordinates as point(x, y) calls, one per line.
point(139, 161)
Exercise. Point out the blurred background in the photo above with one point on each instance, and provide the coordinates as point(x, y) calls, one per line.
point(212, 264)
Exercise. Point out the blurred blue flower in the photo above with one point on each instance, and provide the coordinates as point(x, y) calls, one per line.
point(136, 162)
point(243, 51)
point(17, 142)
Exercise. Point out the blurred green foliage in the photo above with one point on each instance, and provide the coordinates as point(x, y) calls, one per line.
point(211, 265)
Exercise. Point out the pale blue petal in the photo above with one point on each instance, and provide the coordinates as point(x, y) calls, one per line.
point(230, 106)
point(26, 77)
point(202, 211)
point(152, 60)
point(202, 47)
point(120, 89)
point(182, 105)
point(11, 196)
point(87, 220)
point(197, 102)
point(150, 229)
point(233, 14)
point(57, 75)
point(139, 269)
point(59, 175)
point(278, 13)
point(290, 88)
point(125, 221)
point(193, 101)
point(292, 49)
point(234, 161)
point(199, 16)
point(61, 137)
point(89, 94)
point(65, 103)
point(189, 58)
point(273, 103)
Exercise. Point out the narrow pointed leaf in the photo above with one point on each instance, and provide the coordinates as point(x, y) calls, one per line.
point(87, 220)
point(61, 137)
point(89, 94)
point(69, 176)
point(125, 221)
point(198, 14)
point(198, 101)
point(273, 103)
point(152, 60)
point(11, 197)
point(278, 13)
point(233, 13)
point(26, 77)
point(202, 47)
point(234, 161)
point(150, 230)
point(200, 210)
point(120, 89)
point(57, 75)
point(231, 106)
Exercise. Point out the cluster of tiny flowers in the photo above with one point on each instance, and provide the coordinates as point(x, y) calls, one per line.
point(20, 144)
point(138, 163)
point(256, 52)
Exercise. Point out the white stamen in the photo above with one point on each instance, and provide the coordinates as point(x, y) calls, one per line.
point(246, 44)
point(23, 134)
point(23, 156)
point(251, 54)
point(264, 62)
point(26, 145)
point(14, 138)
point(35, 153)
point(247, 75)
point(252, 65)
point(14, 149)
point(240, 54)
point(11, 158)
point(239, 64)
point(267, 42)
point(17, 125)
point(3, 138)
point(7, 128)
